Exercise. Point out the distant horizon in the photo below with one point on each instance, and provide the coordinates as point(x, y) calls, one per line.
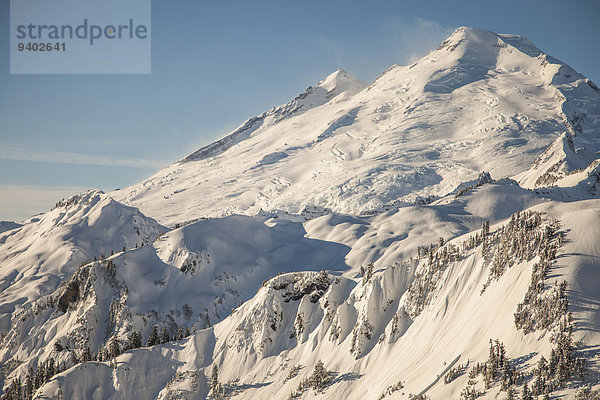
point(213, 68)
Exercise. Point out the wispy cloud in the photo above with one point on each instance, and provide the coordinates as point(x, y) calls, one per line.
point(399, 41)
point(22, 153)
point(414, 39)
point(334, 49)
point(19, 202)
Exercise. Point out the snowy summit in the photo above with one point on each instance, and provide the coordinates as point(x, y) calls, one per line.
point(480, 102)
point(432, 235)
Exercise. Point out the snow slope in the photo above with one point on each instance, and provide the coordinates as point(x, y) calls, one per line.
point(388, 230)
point(370, 332)
point(193, 276)
point(481, 101)
point(38, 256)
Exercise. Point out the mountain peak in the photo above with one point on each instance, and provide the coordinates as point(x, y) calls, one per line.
point(335, 84)
point(341, 148)
point(467, 32)
point(472, 42)
point(475, 41)
point(341, 81)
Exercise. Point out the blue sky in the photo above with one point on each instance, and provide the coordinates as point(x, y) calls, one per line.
point(214, 64)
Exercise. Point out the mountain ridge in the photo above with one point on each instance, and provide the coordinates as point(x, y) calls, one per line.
point(432, 235)
point(477, 103)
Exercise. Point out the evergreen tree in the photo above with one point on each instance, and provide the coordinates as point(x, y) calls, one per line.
point(74, 359)
point(485, 228)
point(320, 377)
point(14, 391)
point(526, 395)
point(215, 386)
point(135, 340)
point(50, 369)
point(164, 336)
point(29, 383)
point(87, 354)
point(153, 337)
point(114, 349)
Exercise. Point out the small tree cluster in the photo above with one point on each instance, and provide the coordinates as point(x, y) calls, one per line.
point(454, 373)
point(86, 355)
point(438, 258)
point(540, 310)
point(135, 340)
point(216, 388)
point(299, 324)
point(24, 389)
point(362, 329)
point(520, 240)
point(318, 381)
point(319, 378)
point(526, 393)
point(563, 365)
point(366, 273)
point(470, 392)
point(293, 372)
point(164, 336)
point(496, 368)
point(391, 389)
point(114, 348)
point(587, 393)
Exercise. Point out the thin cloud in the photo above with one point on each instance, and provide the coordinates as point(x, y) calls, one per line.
point(12, 152)
point(415, 38)
point(400, 41)
point(336, 51)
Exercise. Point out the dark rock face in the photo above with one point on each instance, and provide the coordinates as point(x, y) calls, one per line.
point(70, 296)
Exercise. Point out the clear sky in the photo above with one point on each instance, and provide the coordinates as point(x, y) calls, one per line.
point(214, 64)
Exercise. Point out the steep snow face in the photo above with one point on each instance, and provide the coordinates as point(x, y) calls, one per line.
point(560, 159)
point(411, 323)
point(190, 278)
point(36, 257)
point(481, 101)
point(195, 275)
point(336, 84)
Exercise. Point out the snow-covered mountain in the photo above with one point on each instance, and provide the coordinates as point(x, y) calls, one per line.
point(435, 234)
point(480, 102)
point(47, 249)
point(411, 322)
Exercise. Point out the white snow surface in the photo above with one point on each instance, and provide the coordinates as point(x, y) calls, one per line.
point(37, 256)
point(480, 102)
point(256, 346)
point(294, 239)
